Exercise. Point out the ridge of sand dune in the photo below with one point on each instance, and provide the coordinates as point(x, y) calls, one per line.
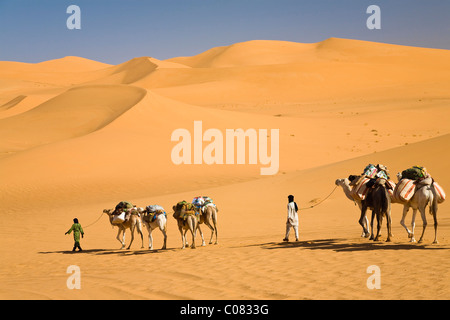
point(8, 105)
point(134, 70)
point(264, 74)
point(338, 49)
point(66, 64)
point(32, 77)
point(72, 64)
point(255, 52)
point(269, 52)
point(76, 112)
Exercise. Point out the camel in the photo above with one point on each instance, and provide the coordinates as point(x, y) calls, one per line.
point(363, 221)
point(132, 223)
point(379, 200)
point(209, 217)
point(159, 222)
point(187, 220)
point(424, 195)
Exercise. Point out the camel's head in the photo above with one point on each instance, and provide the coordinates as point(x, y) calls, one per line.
point(380, 182)
point(138, 210)
point(108, 211)
point(342, 182)
point(177, 209)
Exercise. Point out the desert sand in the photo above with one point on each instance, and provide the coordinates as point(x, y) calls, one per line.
point(78, 136)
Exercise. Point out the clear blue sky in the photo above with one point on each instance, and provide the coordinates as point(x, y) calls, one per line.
point(114, 31)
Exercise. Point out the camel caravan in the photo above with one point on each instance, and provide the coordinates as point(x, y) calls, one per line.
point(189, 217)
point(374, 190)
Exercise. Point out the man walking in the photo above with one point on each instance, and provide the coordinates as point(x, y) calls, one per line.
point(77, 230)
point(292, 218)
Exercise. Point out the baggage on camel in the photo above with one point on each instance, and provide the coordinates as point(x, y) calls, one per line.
point(415, 173)
point(184, 209)
point(440, 193)
point(378, 171)
point(360, 190)
point(404, 190)
point(122, 212)
point(203, 202)
point(119, 218)
point(153, 211)
point(362, 185)
point(124, 205)
point(370, 171)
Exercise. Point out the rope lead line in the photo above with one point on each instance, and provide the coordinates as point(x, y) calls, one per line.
point(94, 222)
point(306, 208)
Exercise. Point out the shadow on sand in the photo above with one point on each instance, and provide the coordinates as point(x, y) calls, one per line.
point(348, 245)
point(119, 252)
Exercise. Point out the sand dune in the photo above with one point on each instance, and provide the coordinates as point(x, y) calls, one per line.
point(327, 72)
point(259, 52)
point(78, 136)
point(77, 112)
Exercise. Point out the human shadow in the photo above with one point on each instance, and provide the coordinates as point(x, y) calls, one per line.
point(121, 252)
point(348, 245)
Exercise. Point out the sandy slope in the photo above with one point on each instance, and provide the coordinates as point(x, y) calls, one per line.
point(79, 136)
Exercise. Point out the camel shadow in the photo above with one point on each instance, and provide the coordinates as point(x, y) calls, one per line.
point(121, 252)
point(348, 245)
point(87, 251)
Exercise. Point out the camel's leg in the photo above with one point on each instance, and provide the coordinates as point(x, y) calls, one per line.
point(413, 225)
point(122, 242)
point(433, 211)
point(435, 227)
point(163, 230)
point(185, 238)
point(389, 226)
point(402, 222)
point(214, 219)
point(424, 220)
point(201, 234)
point(366, 223)
point(162, 225)
point(208, 224)
point(132, 236)
point(371, 226)
point(193, 229)
point(139, 229)
point(183, 241)
point(150, 238)
point(379, 224)
point(361, 221)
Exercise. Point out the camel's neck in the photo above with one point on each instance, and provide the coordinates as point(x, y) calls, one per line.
point(345, 184)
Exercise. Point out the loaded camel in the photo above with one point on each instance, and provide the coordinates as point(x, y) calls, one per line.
point(376, 206)
point(424, 195)
point(132, 223)
point(152, 221)
point(363, 220)
point(187, 220)
point(379, 200)
point(208, 216)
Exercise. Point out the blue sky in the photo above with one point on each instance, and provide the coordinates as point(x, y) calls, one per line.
point(114, 31)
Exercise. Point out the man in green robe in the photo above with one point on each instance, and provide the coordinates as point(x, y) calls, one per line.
point(77, 230)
